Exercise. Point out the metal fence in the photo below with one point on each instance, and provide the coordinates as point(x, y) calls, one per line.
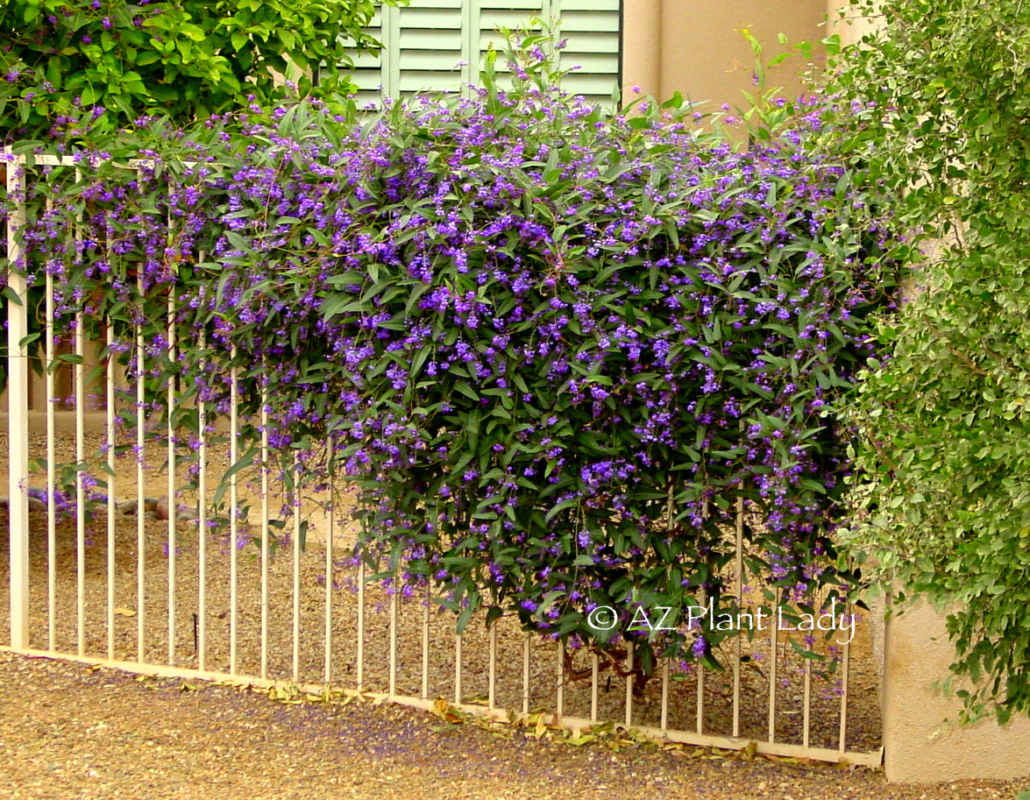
point(132, 581)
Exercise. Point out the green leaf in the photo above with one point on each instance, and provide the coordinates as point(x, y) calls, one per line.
point(466, 390)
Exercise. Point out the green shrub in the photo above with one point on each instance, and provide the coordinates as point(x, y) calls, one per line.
point(945, 461)
point(554, 350)
point(186, 59)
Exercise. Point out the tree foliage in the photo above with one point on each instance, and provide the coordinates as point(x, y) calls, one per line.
point(187, 58)
point(942, 93)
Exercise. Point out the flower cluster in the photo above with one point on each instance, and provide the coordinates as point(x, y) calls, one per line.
point(551, 348)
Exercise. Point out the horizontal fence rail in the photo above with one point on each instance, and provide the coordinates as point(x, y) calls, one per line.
point(138, 567)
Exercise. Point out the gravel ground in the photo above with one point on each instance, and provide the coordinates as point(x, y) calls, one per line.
point(67, 731)
point(71, 731)
point(863, 712)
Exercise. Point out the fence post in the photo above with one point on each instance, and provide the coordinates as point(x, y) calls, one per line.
point(17, 400)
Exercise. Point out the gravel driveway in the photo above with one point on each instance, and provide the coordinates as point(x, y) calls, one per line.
point(69, 731)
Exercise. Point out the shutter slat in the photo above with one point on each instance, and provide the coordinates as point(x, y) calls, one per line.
point(363, 59)
point(436, 60)
point(417, 81)
point(589, 64)
point(493, 18)
point(431, 18)
point(589, 21)
point(590, 85)
point(589, 5)
point(423, 39)
point(586, 42)
point(431, 5)
point(533, 6)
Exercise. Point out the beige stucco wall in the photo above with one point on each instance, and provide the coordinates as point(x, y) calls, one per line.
point(641, 47)
point(848, 23)
point(919, 748)
point(696, 47)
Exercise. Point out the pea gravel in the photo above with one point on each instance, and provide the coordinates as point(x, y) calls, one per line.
point(70, 731)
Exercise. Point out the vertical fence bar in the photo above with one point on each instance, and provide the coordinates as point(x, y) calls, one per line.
point(51, 489)
point(18, 405)
point(457, 668)
point(700, 698)
point(670, 526)
point(80, 483)
point(807, 721)
point(774, 652)
point(264, 534)
point(80, 508)
point(234, 507)
point(51, 475)
point(141, 498)
point(425, 644)
point(393, 642)
point(329, 589)
point(201, 616)
point(172, 479)
point(491, 692)
point(111, 487)
point(560, 700)
point(808, 703)
point(595, 678)
point(665, 696)
point(296, 568)
point(629, 684)
point(361, 626)
point(525, 675)
point(700, 722)
point(845, 667)
point(739, 570)
point(172, 506)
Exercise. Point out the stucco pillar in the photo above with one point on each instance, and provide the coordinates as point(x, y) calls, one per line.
point(848, 23)
point(919, 747)
point(706, 57)
point(641, 48)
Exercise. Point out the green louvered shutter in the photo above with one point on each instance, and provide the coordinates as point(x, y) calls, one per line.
point(592, 30)
point(437, 45)
point(367, 72)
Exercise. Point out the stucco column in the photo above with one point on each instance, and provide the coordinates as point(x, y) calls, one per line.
point(847, 23)
point(641, 48)
point(706, 57)
point(918, 746)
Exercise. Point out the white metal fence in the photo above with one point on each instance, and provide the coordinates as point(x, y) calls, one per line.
point(132, 581)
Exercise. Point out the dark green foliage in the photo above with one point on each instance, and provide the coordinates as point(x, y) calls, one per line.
point(555, 350)
point(186, 59)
